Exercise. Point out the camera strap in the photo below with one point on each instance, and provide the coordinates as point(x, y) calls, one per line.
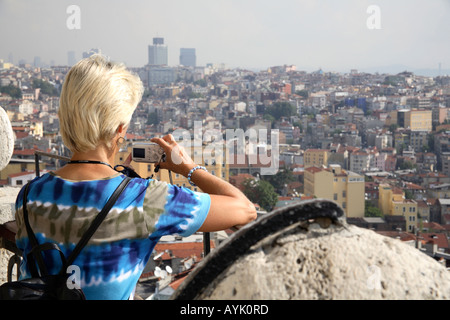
point(89, 161)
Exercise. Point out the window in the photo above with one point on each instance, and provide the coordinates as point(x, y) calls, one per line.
point(344, 205)
point(344, 194)
point(335, 196)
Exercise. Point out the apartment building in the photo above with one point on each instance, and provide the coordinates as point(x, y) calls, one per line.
point(416, 119)
point(316, 157)
point(392, 201)
point(333, 183)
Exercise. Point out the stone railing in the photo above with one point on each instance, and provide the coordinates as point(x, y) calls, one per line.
point(7, 195)
point(308, 251)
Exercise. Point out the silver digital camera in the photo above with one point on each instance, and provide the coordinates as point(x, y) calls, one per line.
point(147, 152)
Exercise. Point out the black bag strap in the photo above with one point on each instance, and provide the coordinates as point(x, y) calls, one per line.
point(36, 248)
point(33, 239)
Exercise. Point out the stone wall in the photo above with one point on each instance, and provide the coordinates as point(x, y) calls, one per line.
point(314, 258)
point(6, 140)
point(7, 195)
point(7, 201)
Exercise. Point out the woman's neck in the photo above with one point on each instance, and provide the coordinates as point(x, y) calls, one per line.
point(86, 170)
point(99, 154)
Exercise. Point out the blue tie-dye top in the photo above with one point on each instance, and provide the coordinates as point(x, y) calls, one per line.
point(61, 210)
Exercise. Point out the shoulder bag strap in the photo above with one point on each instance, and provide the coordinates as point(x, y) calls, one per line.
point(96, 223)
point(32, 238)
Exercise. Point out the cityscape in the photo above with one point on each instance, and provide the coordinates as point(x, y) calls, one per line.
point(378, 144)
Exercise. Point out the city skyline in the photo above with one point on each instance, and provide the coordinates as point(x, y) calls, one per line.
point(321, 34)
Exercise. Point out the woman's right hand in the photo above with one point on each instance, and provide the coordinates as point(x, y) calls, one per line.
point(229, 206)
point(177, 159)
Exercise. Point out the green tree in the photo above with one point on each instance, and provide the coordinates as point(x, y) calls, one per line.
point(280, 179)
point(260, 192)
point(303, 93)
point(371, 211)
point(201, 83)
point(281, 109)
point(46, 87)
point(408, 194)
point(152, 118)
point(12, 91)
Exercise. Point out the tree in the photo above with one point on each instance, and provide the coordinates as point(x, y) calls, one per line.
point(303, 93)
point(371, 211)
point(12, 91)
point(408, 194)
point(152, 118)
point(281, 109)
point(260, 192)
point(46, 87)
point(280, 179)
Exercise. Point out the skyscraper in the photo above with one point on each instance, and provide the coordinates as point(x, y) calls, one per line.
point(187, 57)
point(158, 53)
point(91, 52)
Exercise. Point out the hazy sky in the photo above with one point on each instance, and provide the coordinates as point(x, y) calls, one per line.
point(312, 34)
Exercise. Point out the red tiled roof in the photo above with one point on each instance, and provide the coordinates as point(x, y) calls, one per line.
point(313, 169)
point(404, 236)
point(175, 284)
point(433, 225)
point(183, 249)
point(438, 238)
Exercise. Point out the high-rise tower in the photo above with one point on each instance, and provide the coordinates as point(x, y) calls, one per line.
point(187, 57)
point(158, 53)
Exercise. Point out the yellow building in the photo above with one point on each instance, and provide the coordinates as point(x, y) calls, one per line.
point(333, 183)
point(315, 157)
point(216, 166)
point(20, 165)
point(419, 120)
point(391, 201)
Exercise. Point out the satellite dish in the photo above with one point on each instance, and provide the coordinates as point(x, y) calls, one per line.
point(158, 256)
point(160, 273)
point(188, 265)
point(169, 269)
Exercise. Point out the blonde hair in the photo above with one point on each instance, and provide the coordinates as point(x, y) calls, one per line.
point(96, 98)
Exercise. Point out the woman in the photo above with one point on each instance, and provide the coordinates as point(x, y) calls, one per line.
point(97, 101)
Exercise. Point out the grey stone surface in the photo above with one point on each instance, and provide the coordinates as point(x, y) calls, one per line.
point(6, 140)
point(340, 263)
point(314, 258)
point(8, 197)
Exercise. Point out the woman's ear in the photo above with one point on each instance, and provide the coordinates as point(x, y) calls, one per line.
point(121, 129)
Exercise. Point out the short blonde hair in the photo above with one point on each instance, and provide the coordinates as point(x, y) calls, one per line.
point(97, 96)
